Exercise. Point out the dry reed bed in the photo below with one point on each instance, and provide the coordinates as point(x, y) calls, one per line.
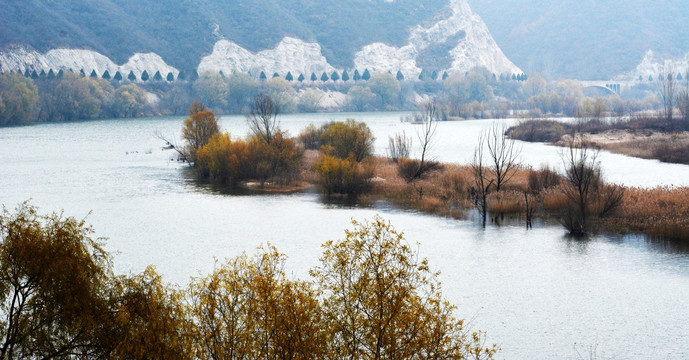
point(662, 211)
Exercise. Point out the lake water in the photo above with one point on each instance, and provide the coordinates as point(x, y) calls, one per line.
point(539, 294)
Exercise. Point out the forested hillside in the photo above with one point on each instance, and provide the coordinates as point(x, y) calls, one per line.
point(182, 31)
point(585, 39)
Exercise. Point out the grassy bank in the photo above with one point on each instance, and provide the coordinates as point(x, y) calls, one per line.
point(647, 138)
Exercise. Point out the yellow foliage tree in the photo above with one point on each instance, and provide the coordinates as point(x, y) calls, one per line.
point(350, 137)
point(248, 309)
point(152, 321)
point(383, 302)
point(198, 129)
point(53, 281)
point(343, 176)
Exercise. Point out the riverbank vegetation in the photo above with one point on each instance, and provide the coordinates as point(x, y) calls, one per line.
point(66, 95)
point(337, 159)
point(62, 300)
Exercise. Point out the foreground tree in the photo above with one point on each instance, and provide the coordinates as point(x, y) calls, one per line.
point(383, 302)
point(152, 320)
point(248, 309)
point(53, 278)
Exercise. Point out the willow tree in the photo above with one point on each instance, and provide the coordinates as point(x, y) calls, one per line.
point(383, 302)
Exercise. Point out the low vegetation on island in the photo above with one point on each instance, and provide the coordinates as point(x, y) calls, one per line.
point(338, 159)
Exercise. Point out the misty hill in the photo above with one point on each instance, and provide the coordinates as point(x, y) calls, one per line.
point(586, 39)
point(182, 31)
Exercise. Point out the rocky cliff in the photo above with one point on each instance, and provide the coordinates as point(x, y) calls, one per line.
point(455, 42)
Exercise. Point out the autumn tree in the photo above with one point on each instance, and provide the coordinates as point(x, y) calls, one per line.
point(241, 91)
point(383, 302)
point(282, 93)
point(386, 87)
point(360, 98)
point(152, 320)
point(212, 90)
point(198, 129)
point(348, 138)
point(263, 120)
point(310, 100)
point(248, 309)
point(128, 101)
point(18, 99)
point(53, 278)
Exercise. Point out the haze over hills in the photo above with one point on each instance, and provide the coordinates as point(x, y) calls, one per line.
point(382, 35)
point(586, 39)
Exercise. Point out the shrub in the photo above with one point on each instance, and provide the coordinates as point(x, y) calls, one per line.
point(411, 169)
point(229, 162)
point(343, 176)
point(224, 160)
point(537, 131)
point(278, 161)
point(542, 179)
point(350, 137)
point(310, 137)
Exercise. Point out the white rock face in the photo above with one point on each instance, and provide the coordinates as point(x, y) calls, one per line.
point(290, 55)
point(653, 65)
point(379, 57)
point(476, 48)
point(21, 59)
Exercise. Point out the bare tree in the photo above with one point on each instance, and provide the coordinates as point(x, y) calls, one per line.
point(582, 177)
point(683, 102)
point(666, 87)
point(503, 154)
point(482, 181)
point(399, 146)
point(263, 120)
point(429, 117)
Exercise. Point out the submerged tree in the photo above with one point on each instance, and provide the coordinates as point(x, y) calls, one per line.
point(503, 154)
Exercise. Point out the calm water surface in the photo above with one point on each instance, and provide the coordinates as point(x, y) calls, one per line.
point(538, 294)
